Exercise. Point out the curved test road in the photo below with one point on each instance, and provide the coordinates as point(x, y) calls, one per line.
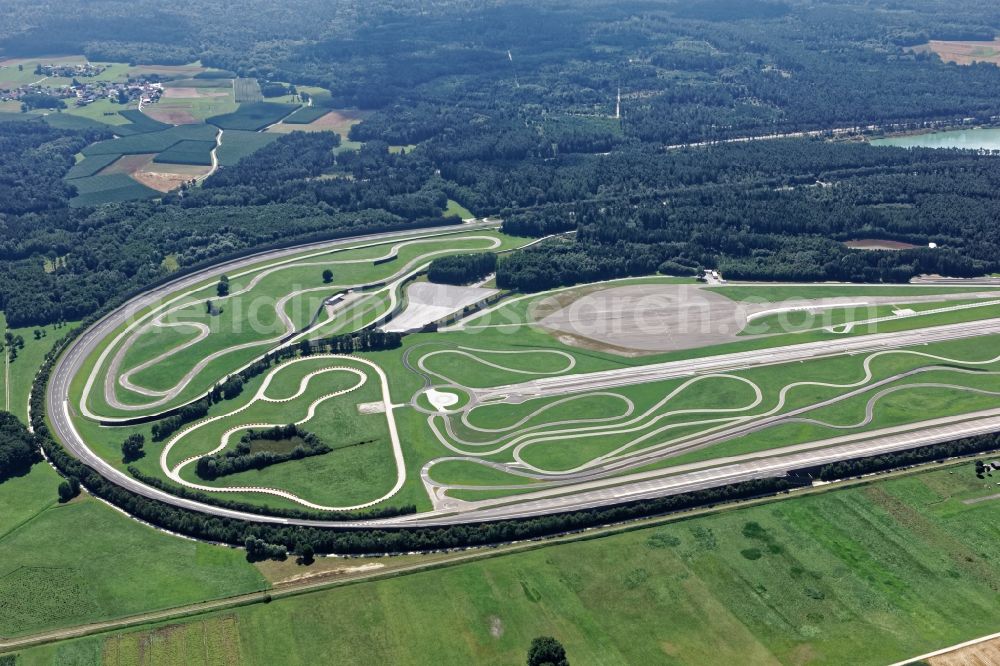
point(579, 496)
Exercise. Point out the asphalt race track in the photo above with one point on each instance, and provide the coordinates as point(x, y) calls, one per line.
point(571, 493)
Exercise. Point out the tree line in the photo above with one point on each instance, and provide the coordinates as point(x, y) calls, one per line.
point(19, 449)
point(243, 458)
point(461, 269)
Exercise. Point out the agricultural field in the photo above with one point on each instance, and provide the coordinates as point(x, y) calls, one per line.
point(46, 584)
point(96, 190)
point(191, 101)
point(171, 135)
point(819, 579)
point(532, 395)
point(152, 142)
point(142, 165)
point(237, 144)
point(171, 139)
point(91, 166)
point(253, 116)
point(247, 91)
point(141, 123)
point(306, 115)
point(188, 152)
point(336, 120)
point(963, 52)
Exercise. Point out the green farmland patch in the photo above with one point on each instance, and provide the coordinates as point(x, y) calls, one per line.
point(73, 122)
point(90, 166)
point(97, 190)
point(188, 152)
point(109, 571)
point(455, 208)
point(253, 116)
point(868, 575)
point(247, 91)
point(141, 123)
point(151, 142)
point(306, 115)
point(237, 144)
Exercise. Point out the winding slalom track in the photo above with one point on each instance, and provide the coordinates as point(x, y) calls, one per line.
point(732, 422)
point(178, 302)
point(578, 493)
point(173, 472)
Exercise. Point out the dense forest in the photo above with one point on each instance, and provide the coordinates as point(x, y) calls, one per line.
point(269, 198)
point(688, 69)
point(462, 268)
point(513, 112)
point(19, 449)
point(766, 210)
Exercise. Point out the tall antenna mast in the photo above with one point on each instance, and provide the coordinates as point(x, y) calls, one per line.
point(618, 105)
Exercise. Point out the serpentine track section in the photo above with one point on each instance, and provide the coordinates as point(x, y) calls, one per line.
point(125, 340)
point(517, 437)
point(173, 472)
point(590, 489)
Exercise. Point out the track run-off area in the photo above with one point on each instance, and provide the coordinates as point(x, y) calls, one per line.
point(522, 406)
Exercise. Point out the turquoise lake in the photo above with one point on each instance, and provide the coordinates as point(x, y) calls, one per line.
point(974, 139)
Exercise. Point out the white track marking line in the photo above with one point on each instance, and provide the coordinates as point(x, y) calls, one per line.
point(524, 437)
point(179, 303)
point(174, 472)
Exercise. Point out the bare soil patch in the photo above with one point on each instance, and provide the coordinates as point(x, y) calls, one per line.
point(648, 318)
point(340, 122)
point(188, 93)
point(186, 71)
point(170, 115)
point(128, 164)
point(496, 627)
point(876, 244)
point(166, 177)
point(964, 52)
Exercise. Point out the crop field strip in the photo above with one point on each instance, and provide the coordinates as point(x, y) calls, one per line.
point(767, 583)
point(91, 166)
point(151, 142)
point(237, 144)
point(306, 115)
point(95, 190)
point(188, 152)
point(253, 116)
point(247, 91)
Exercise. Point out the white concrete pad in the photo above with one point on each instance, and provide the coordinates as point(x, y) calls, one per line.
point(441, 400)
point(371, 407)
point(428, 302)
